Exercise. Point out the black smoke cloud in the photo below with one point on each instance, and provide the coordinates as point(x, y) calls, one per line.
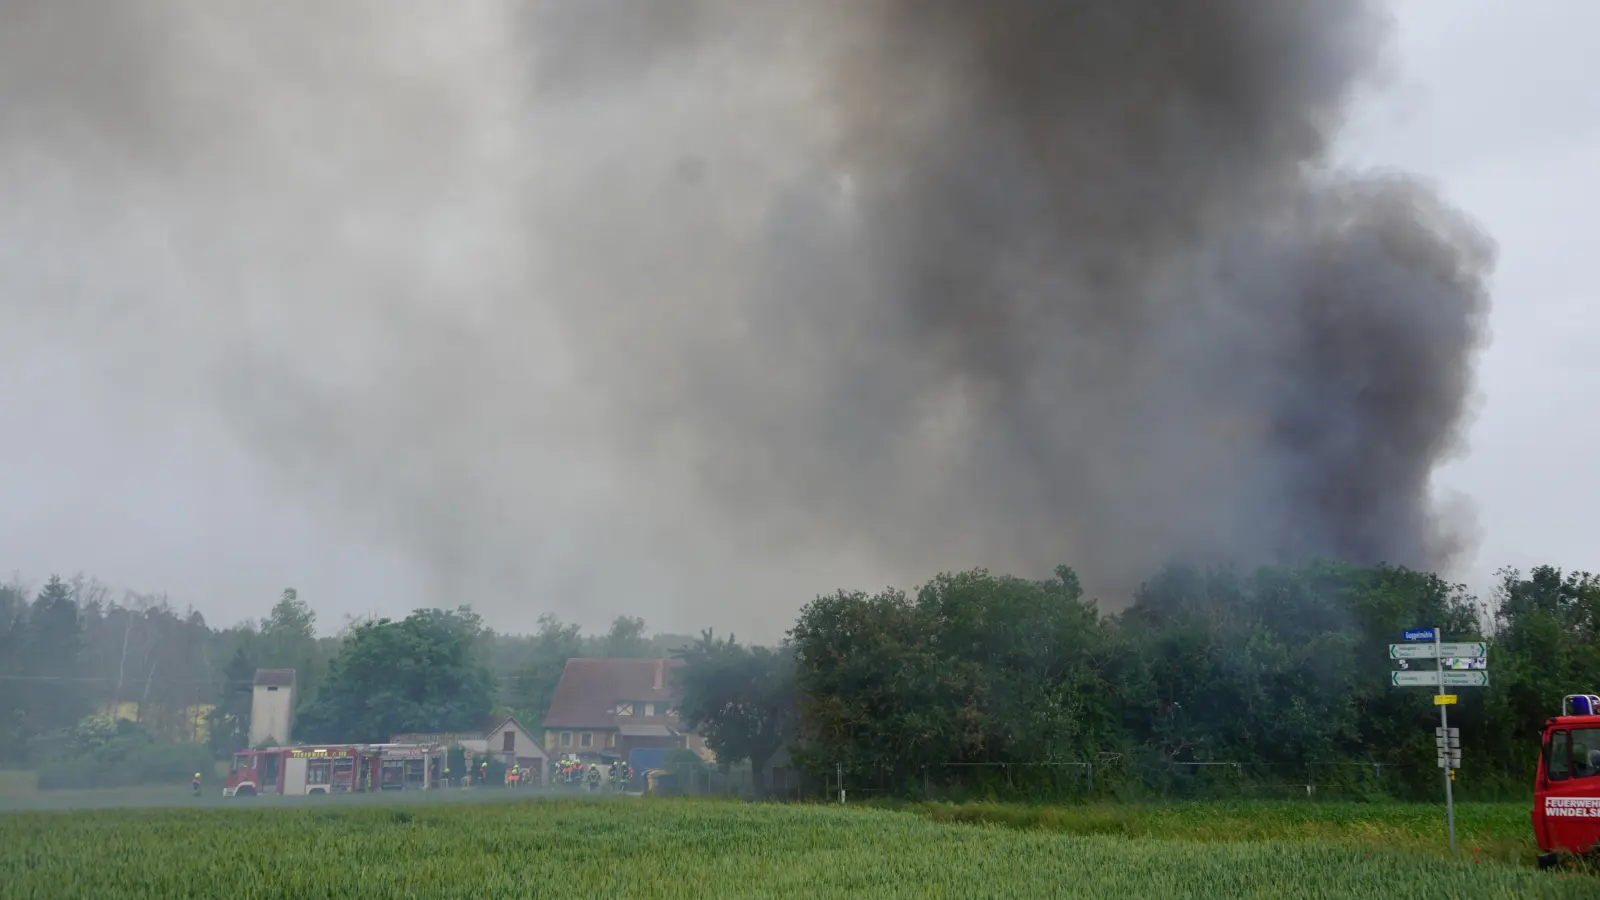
point(717, 304)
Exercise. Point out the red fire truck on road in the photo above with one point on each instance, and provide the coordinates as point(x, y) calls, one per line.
point(334, 769)
point(1566, 794)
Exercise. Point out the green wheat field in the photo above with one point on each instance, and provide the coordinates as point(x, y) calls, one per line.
point(647, 847)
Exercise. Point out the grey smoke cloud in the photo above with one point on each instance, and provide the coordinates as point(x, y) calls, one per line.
point(712, 305)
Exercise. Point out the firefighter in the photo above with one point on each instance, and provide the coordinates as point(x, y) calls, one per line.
point(514, 775)
point(196, 784)
point(446, 781)
point(483, 773)
point(594, 777)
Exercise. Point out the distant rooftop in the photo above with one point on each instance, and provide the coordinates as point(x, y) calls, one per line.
point(590, 690)
point(275, 678)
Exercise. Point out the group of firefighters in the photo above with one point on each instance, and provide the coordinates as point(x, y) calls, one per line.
point(571, 771)
point(516, 775)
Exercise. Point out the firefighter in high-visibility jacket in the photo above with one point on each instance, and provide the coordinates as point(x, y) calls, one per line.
point(196, 784)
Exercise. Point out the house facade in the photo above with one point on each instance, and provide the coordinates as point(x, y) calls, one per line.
point(604, 709)
point(501, 738)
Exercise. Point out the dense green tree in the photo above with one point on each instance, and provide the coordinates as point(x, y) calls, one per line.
point(144, 652)
point(977, 669)
point(1546, 644)
point(288, 640)
point(422, 673)
point(625, 640)
point(13, 667)
point(52, 643)
point(534, 684)
point(1280, 668)
point(228, 723)
point(740, 699)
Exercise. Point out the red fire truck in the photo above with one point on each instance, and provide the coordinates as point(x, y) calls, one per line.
point(408, 767)
point(297, 771)
point(1566, 794)
point(334, 769)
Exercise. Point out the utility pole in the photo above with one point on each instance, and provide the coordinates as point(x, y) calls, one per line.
point(1444, 727)
point(1428, 643)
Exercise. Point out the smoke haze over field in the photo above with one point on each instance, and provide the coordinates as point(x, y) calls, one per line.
point(716, 304)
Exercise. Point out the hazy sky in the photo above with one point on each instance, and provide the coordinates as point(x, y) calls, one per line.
point(1493, 104)
point(1492, 100)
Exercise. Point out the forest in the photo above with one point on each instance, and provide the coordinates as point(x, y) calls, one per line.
point(974, 682)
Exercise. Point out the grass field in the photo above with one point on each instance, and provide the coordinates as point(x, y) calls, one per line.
point(1497, 831)
point(626, 847)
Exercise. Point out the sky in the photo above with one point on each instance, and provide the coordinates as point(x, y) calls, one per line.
point(1489, 100)
point(1491, 103)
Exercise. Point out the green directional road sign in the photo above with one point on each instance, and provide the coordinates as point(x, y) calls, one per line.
point(1435, 651)
point(1431, 679)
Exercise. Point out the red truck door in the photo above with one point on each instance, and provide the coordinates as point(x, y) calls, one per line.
point(1566, 814)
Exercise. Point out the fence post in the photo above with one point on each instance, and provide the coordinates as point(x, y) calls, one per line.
point(1311, 780)
point(840, 770)
point(1090, 769)
point(925, 794)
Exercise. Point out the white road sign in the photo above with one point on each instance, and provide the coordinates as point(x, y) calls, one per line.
point(1431, 679)
point(1435, 651)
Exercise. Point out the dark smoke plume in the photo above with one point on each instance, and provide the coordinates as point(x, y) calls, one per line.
point(733, 301)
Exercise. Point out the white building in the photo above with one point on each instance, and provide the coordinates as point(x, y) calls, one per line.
point(272, 708)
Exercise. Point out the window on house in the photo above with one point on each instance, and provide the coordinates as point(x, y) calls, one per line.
point(624, 709)
point(510, 739)
point(587, 738)
point(566, 739)
point(649, 709)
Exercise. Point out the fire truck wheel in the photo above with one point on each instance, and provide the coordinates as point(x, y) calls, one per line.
point(1549, 860)
point(245, 792)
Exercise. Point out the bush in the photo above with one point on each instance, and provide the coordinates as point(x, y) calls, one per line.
point(103, 756)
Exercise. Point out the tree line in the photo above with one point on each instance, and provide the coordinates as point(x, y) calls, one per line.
point(74, 661)
point(974, 682)
point(1210, 679)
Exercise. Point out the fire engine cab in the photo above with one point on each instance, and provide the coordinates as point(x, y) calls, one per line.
point(1566, 798)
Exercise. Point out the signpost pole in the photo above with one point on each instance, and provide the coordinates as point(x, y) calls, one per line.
point(1444, 724)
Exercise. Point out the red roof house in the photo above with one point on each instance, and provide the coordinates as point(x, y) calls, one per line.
point(603, 708)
